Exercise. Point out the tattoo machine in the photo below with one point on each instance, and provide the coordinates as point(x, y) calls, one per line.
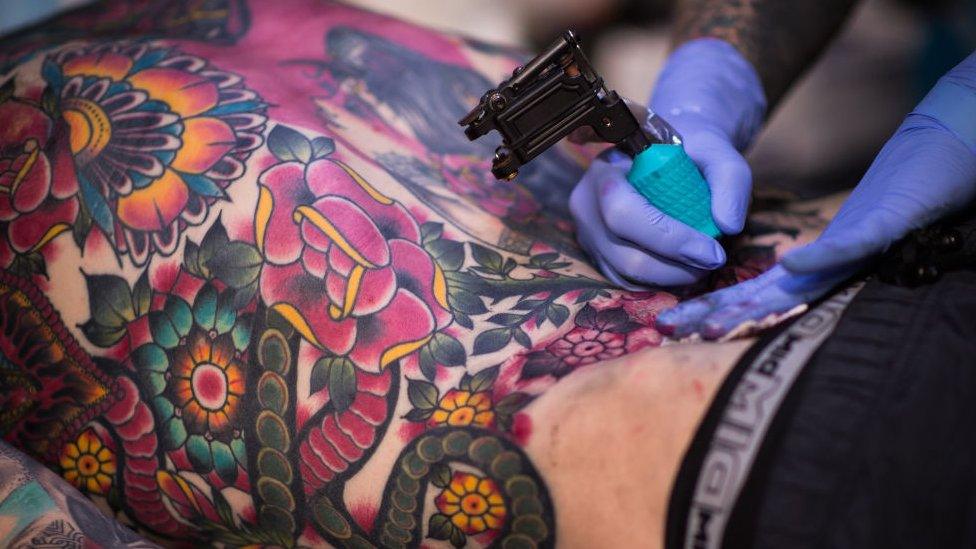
point(558, 92)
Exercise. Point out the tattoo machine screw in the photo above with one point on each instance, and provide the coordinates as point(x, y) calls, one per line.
point(558, 92)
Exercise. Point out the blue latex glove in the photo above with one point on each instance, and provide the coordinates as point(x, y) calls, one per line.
point(714, 98)
point(925, 171)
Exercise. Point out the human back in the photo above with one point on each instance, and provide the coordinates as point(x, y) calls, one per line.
point(259, 289)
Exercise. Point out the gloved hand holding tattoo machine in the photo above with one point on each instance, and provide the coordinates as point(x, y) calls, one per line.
point(653, 220)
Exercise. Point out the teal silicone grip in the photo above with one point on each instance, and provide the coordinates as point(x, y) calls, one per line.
point(668, 179)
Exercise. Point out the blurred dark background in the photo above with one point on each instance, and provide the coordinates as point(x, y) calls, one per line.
point(821, 138)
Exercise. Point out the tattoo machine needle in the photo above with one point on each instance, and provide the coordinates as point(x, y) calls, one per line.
point(558, 92)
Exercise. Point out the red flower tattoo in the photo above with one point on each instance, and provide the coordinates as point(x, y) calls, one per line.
point(37, 179)
point(344, 263)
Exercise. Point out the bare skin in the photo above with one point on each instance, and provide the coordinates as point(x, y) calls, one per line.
point(654, 400)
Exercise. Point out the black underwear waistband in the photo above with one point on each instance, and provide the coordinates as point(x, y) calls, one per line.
point(720, 457)
point(848, 426)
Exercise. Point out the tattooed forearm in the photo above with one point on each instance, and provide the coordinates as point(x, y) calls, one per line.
point(779, 37)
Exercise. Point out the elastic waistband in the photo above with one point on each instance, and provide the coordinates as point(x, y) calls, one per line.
point(728, 441)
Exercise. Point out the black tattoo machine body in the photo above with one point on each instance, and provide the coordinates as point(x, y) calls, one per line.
point(559, 92)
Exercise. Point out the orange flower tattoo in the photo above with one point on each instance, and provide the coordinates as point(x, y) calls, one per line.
point(462, 408)
point(474, 504)
point(88, 463)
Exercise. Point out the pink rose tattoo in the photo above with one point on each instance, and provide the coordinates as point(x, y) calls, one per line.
point(37, 184)
point(344, 262)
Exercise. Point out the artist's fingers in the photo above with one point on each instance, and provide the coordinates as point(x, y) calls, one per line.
point(775, 292)
point(723, 321)
point(623, 264)
point(785, 292)
point(684, 319)
point(615, 277)
point(629, 216)
point(688, 317)
point(830, 253)
point(644, 268)
point(728, 175)
point(612, 275)
point(849, 243)
point(621, 261)
point(582, 206)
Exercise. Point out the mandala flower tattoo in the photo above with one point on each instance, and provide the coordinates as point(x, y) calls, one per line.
point(607, 328)
point(585, 346)
point(207, 383)
point(193, 367)
point(156, 136)
point(88, 463)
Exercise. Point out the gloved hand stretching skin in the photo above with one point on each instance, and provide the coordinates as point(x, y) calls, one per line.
point(925, 171)
point(713, 97)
